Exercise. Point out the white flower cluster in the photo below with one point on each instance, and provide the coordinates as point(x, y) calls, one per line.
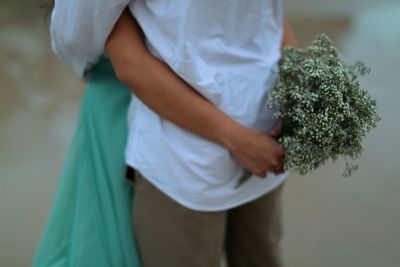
point(324, 111)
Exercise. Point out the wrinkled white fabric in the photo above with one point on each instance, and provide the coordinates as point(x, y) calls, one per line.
point(227, 50)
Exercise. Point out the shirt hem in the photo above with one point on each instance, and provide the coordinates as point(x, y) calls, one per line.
point(192, 201)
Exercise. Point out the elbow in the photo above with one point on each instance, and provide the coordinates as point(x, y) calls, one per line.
point(121, 68)
point(129, 74)
point(123, 75)
point(129, 70)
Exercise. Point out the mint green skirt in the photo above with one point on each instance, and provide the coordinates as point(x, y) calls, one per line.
point(90, 222)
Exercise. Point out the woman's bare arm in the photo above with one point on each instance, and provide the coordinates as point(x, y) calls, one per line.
point(168, 95)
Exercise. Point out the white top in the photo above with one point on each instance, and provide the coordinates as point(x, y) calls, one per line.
point(227, 50)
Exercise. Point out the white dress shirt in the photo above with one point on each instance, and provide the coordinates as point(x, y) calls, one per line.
point(227, 50)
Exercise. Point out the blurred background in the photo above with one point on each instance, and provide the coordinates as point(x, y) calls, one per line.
point(329, 221)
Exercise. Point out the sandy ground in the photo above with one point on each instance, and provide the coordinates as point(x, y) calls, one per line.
point(330, 221)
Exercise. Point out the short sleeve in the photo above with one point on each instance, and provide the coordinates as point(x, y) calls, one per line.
point(79, 30)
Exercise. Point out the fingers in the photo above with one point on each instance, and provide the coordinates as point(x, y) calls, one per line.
point(279, 169)
point(260, 153)
point(261, 170)
point(274, 164)
point(257, 169)
point(279, 152)
point(276, 132)
point(262, 174)
point(277, 148)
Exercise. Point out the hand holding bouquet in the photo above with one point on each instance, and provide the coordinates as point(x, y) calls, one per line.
point(324, 111)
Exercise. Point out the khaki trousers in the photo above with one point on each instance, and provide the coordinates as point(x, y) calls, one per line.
point(170, 235)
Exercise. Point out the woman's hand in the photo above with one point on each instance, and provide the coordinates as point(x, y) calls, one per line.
point(258, 152)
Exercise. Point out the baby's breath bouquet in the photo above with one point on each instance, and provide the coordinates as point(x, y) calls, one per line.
point(324, 111)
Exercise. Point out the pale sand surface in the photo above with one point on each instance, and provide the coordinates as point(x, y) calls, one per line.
point(329, 221)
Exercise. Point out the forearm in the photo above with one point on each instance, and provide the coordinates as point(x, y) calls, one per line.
point(161, 89)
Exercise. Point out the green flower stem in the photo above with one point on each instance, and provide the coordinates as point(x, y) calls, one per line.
point(245, 177)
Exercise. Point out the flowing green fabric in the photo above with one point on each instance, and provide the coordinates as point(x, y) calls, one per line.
point(90, 222)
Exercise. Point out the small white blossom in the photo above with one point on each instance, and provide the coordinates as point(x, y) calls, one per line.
point(324, 111)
